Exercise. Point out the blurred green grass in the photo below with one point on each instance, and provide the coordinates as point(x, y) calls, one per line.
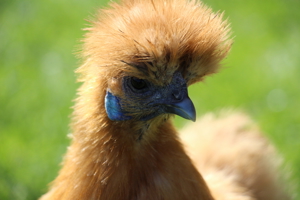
point(37, 44)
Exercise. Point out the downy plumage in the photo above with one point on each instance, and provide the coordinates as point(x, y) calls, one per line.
point(139, 58)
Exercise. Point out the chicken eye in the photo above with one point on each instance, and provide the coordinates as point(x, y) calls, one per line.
point(138, 84)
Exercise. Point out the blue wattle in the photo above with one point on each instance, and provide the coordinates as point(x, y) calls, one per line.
point(113, 108)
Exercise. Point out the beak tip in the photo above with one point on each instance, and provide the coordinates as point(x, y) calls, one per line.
point(192, 116)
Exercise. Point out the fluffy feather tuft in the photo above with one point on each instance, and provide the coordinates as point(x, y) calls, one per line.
point(235, 159)
point(155, 39)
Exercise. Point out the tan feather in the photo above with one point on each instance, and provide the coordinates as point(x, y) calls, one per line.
point(151, 40)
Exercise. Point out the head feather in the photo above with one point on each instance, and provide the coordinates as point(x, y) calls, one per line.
point(156, 38)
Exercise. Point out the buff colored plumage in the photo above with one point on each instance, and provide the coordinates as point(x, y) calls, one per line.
point(137, 54)
point(235, 159)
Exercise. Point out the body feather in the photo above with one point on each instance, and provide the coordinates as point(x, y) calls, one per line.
point(235, 159)
point(122, 149)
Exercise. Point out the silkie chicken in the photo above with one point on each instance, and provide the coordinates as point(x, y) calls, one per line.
point(139, 58)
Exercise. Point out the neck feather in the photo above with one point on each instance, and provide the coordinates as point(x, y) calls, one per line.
point(108, 160)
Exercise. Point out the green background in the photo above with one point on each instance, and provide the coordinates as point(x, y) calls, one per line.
point(38, 41)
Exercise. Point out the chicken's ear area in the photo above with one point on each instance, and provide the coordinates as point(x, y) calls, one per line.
point(113, 108)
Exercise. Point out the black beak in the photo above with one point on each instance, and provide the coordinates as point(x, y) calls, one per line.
point(184, 108)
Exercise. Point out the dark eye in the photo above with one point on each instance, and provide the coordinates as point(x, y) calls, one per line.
point(138, 84)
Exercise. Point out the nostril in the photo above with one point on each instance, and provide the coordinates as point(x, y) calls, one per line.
point(176, 94)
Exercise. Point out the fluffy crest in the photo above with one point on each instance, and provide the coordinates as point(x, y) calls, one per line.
point(153, 39)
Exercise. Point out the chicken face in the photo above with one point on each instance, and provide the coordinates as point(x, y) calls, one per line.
point(153, 52)
point(144, 100)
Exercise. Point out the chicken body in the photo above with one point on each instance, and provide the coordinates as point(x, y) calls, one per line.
point(235, 159)
point(139, 59)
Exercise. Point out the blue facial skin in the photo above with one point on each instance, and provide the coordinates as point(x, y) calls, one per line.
point(149, 101)
point(113, 108)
